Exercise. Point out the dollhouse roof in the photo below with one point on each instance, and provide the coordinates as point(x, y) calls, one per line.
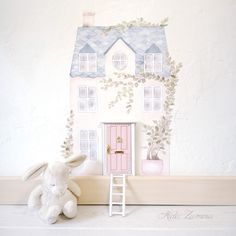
point(153, 49)
point(99, 39)
point(115, 42)
point(86, 49)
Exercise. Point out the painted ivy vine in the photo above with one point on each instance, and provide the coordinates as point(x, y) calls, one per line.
point(158, 133)
point(126, 83)
point(67, 146)
point(139, 22)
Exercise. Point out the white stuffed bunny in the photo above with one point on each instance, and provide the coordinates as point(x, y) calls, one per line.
point(57, 193)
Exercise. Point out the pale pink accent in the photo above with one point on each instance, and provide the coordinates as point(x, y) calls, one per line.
point(113, 164)
point(152, 167)
point(112, 137)
point(88, 18)
point(119, 163)
point(124, 163)
point(125, 137)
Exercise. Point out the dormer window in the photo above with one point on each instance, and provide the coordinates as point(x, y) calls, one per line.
point(153, 60)
point(119, 61)
point(87, 62)
point(87, 59)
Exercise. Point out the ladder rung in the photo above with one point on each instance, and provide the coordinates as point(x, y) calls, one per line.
point(117, 176)
point(117, 194)
point(117, 203)
point(121, 193)
point(117, 185)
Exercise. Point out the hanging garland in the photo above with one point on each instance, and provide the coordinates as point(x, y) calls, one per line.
point(126, 83)
point(159, 132)
point(67, 146)
point(139, 22)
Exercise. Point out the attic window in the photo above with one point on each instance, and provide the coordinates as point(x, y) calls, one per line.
point(153, 59)
point(153, 62)
point(119, 61)
point(87, 62)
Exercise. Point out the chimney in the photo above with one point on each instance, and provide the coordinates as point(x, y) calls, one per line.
point(88, 19)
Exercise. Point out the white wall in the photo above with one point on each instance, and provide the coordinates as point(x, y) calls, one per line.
point(36, 45)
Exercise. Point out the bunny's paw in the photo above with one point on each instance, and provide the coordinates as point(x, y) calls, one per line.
point(52, 214)
point(70, 209)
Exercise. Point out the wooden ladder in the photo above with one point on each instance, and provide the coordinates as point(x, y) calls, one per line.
point(121, 187)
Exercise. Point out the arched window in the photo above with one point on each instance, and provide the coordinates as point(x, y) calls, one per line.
point(119, 61)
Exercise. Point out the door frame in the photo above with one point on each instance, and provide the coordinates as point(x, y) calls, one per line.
point(104, 142)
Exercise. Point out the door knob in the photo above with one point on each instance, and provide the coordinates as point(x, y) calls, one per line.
point(108, 149)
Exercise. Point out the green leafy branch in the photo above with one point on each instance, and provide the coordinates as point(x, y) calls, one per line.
point(139, 22)
point(158, 135)
point(67, 146)
point(126, 83)
point(170, 86)
point(159, 132)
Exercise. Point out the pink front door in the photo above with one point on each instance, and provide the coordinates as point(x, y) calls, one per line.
point(118, 149)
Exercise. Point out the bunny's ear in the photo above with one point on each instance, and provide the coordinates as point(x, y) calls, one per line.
point(34, 171)
point(75, 161)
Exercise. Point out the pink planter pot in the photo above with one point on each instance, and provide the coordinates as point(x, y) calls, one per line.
point(151, 167)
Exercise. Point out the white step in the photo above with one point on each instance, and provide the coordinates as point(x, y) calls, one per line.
point(117, 213)
point(117, 203)
point(117, 194)
point(117, 185)
point(117, 176)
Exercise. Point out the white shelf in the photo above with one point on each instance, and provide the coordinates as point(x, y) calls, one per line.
point(151, 190)
point(139, 220)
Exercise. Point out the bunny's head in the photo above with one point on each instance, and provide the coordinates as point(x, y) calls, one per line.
point(56, 175)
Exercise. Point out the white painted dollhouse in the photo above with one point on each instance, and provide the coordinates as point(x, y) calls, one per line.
point(112, 138)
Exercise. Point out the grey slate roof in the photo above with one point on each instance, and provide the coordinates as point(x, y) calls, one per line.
point(98, 39)
point(86, 49)
point(115, 42)
point(153, 49)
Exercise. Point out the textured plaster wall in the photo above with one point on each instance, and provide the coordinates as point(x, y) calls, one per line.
point(36, 46)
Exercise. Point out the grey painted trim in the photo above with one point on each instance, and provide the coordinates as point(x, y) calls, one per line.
point(153, 49)
point(86, 49)
point(115, 42)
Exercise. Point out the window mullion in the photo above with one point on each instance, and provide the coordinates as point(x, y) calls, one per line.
point(87, 64)
point(153, 88)
point(153, 63)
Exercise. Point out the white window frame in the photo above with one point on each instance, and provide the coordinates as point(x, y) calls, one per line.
point(154, 68)
point(87, 62)
point(119, 60)
point(86, 99)
point(152, 99)
point(88, 142)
